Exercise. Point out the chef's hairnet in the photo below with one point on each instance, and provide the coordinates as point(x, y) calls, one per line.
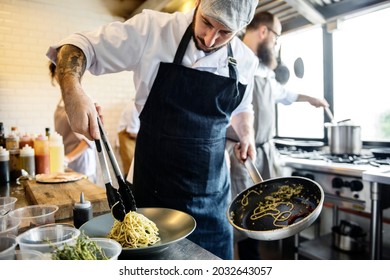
point(234, 14)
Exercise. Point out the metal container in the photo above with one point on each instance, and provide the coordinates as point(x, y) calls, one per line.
point(349, 237)
point(344, 138)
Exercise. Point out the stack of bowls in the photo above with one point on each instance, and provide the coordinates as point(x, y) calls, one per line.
point(9, 225)
point(7, 204)
point(34, 215)
point(7, 247)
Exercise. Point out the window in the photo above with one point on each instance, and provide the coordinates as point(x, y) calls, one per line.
point(361, 84)
point(361, 74)
point(301, 120)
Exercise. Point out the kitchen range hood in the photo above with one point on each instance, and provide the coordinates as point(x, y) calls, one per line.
point(293, 14)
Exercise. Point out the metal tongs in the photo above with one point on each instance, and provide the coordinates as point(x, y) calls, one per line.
point(121, 200)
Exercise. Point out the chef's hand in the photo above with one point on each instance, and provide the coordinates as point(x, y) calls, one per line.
point(244, 149)
point(242, 124)
point(82, 114)
point(316, 102)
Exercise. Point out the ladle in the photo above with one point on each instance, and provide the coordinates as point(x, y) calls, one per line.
point(329, 113)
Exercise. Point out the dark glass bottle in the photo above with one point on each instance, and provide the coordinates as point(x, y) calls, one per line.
point(2, 135)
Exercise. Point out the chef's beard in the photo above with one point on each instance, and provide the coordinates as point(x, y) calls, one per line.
point(197, 39)
point(267, 55)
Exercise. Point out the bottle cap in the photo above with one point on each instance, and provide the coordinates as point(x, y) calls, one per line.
point(83, 203)
point(55, 138)
point(25, 137)
point(3, 152)
point(27, 151)
point(41, 137)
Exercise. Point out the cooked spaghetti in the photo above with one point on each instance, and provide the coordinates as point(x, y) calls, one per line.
point(276, 205)
point(136, 231)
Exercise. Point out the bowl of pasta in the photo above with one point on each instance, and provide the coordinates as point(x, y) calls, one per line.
point(146, 231)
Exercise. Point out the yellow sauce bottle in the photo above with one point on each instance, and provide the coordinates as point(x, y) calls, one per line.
point(57, 153)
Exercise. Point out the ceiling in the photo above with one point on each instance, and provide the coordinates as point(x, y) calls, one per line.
point(293, 14)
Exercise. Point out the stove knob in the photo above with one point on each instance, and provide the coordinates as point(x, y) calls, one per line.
point(296, 173)
point(305, 175)
point(337, 183)
point(309, 176)
point(356, 186)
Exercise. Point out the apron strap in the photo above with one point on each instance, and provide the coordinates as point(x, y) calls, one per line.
point(181, 50)
point(232, 62)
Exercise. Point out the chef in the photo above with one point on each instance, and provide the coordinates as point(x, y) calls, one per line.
point(193, 77)
point(261, 37)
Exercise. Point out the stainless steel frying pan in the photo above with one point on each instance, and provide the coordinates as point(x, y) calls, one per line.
point(290, 217)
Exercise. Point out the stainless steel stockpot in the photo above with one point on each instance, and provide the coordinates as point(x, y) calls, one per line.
point(344, 138)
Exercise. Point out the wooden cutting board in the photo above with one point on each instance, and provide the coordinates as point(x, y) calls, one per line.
point(64, 195)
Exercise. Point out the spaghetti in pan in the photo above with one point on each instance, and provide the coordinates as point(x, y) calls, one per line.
point(276, 208)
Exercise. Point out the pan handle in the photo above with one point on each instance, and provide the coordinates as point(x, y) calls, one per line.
point(252, 170)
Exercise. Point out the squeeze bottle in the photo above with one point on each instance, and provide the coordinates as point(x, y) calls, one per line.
point(27, 160)
point(42, 160)
point(57, 153)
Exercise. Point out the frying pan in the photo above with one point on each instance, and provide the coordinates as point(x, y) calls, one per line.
point(381, 153)
point(307, 206)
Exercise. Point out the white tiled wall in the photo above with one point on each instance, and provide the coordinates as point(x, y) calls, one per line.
point(27, 28)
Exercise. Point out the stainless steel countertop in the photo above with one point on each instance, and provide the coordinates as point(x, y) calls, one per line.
point(348, 169)
point(381, 176)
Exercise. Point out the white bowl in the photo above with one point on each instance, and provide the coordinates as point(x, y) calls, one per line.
point(47, 238)
point(7, 247)
point(7, 203)
point(34, 215)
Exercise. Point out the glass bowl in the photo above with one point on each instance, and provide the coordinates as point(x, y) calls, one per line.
point(47, 238)
point(110, 247)
point(7, 247)
point(34, 215)
point(7, 204)
point(29, 255)
point(9, 225)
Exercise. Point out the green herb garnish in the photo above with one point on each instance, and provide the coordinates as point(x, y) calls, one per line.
point(84, 249)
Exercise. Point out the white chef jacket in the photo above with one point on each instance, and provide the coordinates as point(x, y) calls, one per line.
point(280, 93)
point(145, 40)
point(129, 119)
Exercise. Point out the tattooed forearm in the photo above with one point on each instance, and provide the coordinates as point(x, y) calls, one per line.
point(70, 61)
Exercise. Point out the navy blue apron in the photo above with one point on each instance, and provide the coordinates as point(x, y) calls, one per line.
point(179, 156)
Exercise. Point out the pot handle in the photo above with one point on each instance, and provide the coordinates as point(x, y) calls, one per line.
point(252, 170)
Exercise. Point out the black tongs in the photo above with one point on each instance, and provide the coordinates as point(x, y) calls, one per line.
point(121, 200)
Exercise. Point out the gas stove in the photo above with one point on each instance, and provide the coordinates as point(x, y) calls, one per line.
point(341, 177)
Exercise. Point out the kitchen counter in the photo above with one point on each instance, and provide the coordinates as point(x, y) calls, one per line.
point(378, 179)
point(355, 170)
point(181, 250)
point(381, 176)
point(184, 249)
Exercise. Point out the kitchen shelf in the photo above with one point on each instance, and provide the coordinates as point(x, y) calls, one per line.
point(321, 248)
